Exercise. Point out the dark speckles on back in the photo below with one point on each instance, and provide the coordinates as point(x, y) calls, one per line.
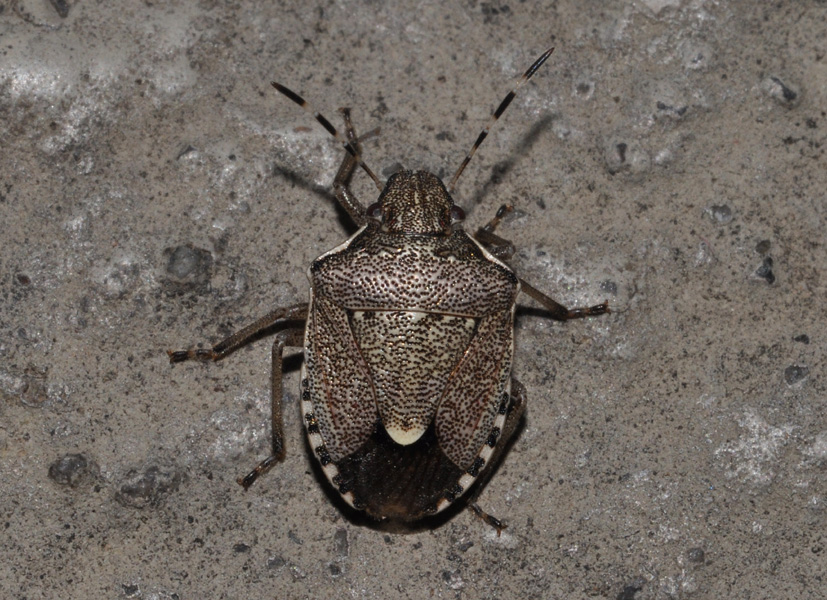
point(415, 202)
point(431, 273)
point(411, 336)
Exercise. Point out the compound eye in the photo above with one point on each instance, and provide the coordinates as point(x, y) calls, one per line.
point(457, 214)
point(375, 211)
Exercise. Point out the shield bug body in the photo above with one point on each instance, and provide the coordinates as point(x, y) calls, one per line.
point(406, 388)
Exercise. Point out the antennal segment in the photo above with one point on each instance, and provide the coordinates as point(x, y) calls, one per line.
point(497, 113)
point(330, 129)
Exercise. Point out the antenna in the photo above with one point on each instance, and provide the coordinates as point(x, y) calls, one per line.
point(330, 129)
point(497, 113)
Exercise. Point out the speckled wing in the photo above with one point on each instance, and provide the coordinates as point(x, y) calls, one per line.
point(339, 382)
point(466, 412)
point(411, 356)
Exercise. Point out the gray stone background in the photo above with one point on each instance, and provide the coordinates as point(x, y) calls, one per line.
point(155, 192)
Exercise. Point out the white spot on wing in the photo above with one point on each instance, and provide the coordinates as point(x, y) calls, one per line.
point(405, 437)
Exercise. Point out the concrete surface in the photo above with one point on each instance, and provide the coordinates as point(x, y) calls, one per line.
point(155, 192)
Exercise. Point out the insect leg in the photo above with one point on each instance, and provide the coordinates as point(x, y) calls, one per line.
point(253, 331)
point(341, 182)
point(329, 128)
point(499, 247)
point(515, 413)
point(286, 337)
point(560, 312)
point(503, 249)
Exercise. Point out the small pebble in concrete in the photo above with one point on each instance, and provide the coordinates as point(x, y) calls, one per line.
point(795, 373)
point(341, 545)
point(696, 555)
point(73, 470)
point(720, 213)
point(148, 488)
point(781, 91)
point(765, 271)
point(188, 268)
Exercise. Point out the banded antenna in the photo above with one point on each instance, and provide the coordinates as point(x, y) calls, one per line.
point(497, 113)
point(330, 129)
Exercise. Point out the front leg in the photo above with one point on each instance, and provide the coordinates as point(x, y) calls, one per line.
point(499, 247)
point(341, 183)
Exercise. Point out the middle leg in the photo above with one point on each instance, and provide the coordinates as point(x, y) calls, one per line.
point(285, 337)
point(504, 249)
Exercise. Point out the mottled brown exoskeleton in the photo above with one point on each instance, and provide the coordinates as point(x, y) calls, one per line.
point(406, 388)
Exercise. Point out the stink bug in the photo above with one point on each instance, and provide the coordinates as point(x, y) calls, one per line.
point(406, 388)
